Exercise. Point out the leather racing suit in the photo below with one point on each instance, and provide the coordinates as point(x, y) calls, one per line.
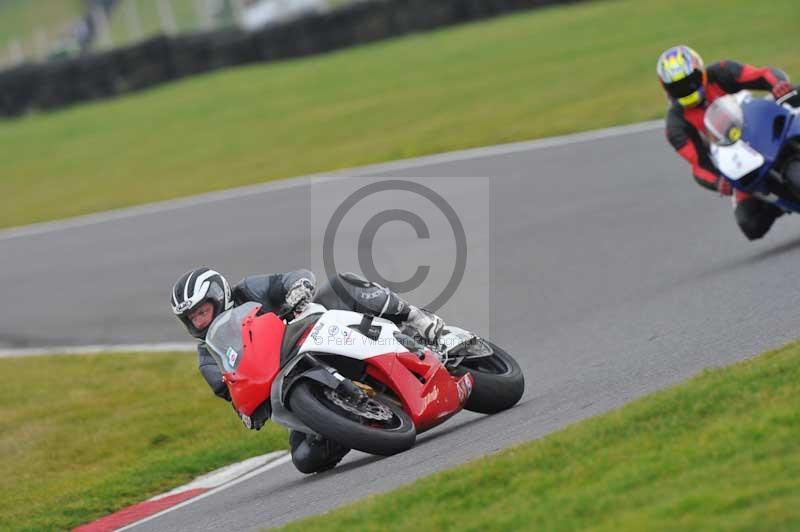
point(686, 133)
point(310, 454)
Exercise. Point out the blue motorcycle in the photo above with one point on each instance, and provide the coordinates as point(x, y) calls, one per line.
point(755, 144)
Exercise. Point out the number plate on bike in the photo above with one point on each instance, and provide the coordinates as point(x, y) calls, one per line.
point(736, 160)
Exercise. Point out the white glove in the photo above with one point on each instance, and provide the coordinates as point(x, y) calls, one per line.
point(427, 324)
point(299, 295)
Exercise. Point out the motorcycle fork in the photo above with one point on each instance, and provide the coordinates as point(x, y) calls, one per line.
point(327, 376)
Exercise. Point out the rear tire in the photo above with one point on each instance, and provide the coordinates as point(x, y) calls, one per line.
point(309, 402)
point(498, 381)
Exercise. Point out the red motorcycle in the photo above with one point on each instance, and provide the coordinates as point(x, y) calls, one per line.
point(354, 378)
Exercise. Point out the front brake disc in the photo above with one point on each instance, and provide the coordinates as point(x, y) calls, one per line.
point(367, 408)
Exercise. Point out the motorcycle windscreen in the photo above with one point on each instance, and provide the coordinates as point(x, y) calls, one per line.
point(224, 337)
point(736, 160)
point(724, 121)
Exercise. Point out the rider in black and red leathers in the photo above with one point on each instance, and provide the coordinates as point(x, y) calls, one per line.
point(691, 88)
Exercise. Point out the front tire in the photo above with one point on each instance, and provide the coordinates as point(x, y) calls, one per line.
point(317, 407)
point(498, 381)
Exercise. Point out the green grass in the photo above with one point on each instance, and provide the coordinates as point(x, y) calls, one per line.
point(530, 75)
point(82, 436)
point(19, 19)
point(184, 11)
point(721, 452)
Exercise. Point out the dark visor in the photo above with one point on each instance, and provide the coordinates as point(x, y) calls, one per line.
point(686, 86)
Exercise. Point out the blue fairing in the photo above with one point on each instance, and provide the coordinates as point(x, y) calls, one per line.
point(759, 124)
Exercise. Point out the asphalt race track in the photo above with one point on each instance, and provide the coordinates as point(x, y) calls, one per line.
point(613, 275)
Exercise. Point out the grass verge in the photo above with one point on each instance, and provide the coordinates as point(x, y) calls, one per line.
point(530, 75)
point(720, 452)
point(82, 436)
point(19, 19)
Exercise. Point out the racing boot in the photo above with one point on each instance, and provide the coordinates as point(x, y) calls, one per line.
point(314, 454)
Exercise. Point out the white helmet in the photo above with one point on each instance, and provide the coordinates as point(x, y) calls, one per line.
point(196, 287)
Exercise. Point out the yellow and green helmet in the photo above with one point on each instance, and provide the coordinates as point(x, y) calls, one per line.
point(682, 75)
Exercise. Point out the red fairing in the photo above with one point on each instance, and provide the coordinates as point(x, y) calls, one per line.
point(430, 395)
point(251, 383)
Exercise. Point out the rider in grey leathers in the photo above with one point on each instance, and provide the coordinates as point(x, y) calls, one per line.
point(200, 295)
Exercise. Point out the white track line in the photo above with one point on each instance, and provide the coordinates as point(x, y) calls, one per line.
point(224, 475)
point(275, 463)
point(211, 197)
point(97, 349)
point(192, 201)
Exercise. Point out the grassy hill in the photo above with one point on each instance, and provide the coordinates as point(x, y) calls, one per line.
point(19, 19)
point(519, 77)
point(83, 436)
